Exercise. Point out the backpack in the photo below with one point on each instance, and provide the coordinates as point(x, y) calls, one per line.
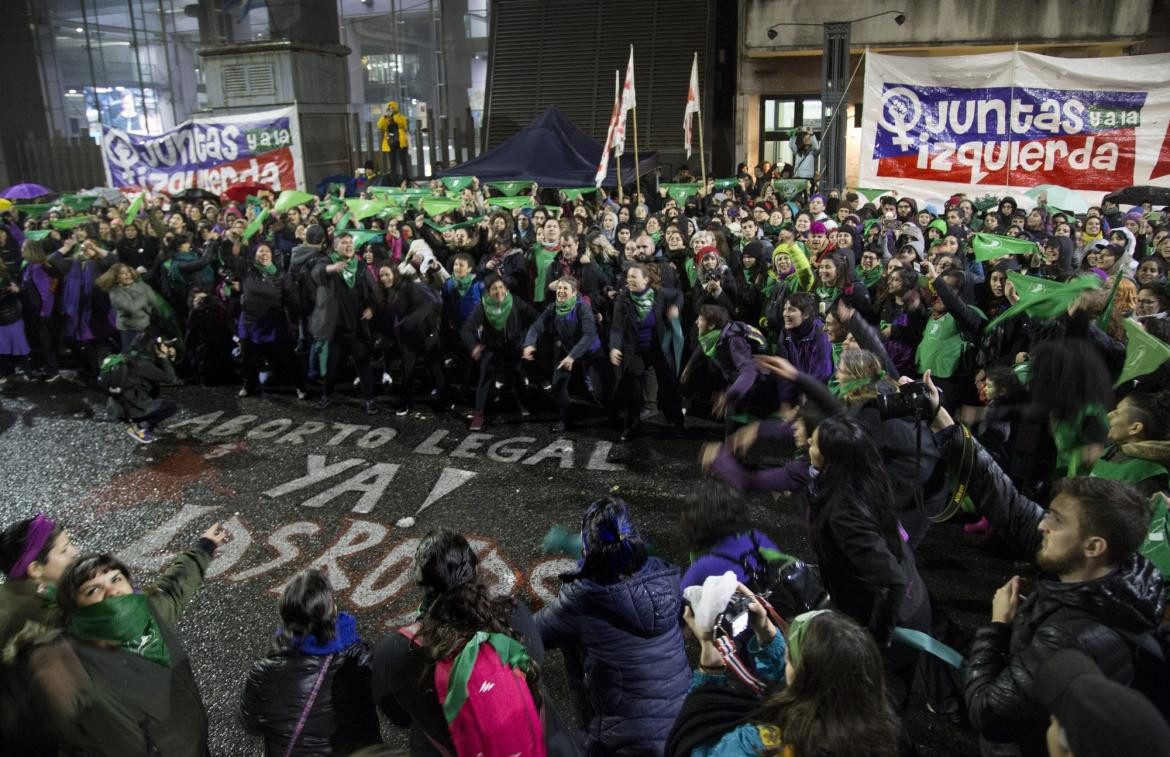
point(752, 335)
point(485, 698)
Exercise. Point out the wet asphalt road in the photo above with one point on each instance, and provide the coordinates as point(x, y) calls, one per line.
point(298, 487)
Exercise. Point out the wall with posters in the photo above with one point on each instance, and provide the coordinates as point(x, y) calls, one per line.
point(209, 152)
point(982, 123)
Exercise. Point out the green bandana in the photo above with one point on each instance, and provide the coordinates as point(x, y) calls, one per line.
point(463, 283)
point(126, 620)
point(796, 631)
point(349, 275)
point(656, 236)
point(269, 269)
point(870, 278)
point(709, 341)
point(497, 312)
point(643, 302)
point(563, 308)
point(843, 390)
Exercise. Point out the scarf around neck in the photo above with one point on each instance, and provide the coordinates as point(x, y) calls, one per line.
point(349, 273)
point(497, 312)
point(564, 308)
point(463, 283)
point(709, 341)
point(643, 302)
point(269, 269)
point(125, 620)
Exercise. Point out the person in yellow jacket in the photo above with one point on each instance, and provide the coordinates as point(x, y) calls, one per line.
point(392, 124)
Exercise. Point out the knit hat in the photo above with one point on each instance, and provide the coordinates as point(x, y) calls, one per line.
point(754, 249)
point(704, 251)
point(1099, 717)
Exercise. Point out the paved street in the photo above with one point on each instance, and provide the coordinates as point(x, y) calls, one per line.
point(298, 488)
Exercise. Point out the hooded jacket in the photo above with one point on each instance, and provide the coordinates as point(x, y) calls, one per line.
point(1094, 617)
point(1141, 463)
point(625, 640)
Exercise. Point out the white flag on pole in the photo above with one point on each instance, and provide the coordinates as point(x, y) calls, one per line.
point(692, 105)
point(611, 135)
point(628, 101)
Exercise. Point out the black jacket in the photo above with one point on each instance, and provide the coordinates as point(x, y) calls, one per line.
point(477, 330)
point(577, 331)
point(138, 387)
point(1098, 617)
point(623, 331)
point(343, 716)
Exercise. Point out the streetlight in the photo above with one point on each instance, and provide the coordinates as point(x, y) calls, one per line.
point(834, 87)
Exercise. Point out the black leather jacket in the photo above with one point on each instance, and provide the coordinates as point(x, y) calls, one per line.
point(342, 718)
point(1099, 617)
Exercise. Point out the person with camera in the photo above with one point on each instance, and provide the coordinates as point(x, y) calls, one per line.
point(132, 380)
point(827, 694)
point(395, 143)
point(344, 304)
point(119, 681)
point(1095, 593)
point(616, 618)
point(806, 150)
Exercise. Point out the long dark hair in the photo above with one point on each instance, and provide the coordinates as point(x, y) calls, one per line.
point(307, 608)
point(712, 512)
point(854, 476)
point(836, 703)
point(1067, 375)
point(614, 549)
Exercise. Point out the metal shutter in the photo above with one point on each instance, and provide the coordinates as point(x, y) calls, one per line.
point(564, 52)
point(249, 80)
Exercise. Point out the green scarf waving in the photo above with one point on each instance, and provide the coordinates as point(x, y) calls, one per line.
point(126, 620)
point(349, 273)
point(564, 308)
point(642, 302)
point(709, 341)
point(497, 312)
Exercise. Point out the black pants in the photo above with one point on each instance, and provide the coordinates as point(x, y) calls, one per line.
point(400, 162)
point(159, 411)
point(633, 372)
point(341, 346)
point(40, 329)
point(589, 366)
point(412, 348)
point(280, 356)
point(501, 366)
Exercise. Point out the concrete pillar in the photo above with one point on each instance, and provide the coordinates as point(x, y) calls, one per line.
point(23, 114)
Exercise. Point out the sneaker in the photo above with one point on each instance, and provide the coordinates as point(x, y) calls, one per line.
point(387, 379)
point(631, 432)
point(524, 411)
point(560, 427)
point(371, 407)
point(302, 394)
point(141, 435)
point(242, 393)
point(402, 410)
point(476, 421)
point(324, 402)
point(52, 377)
point(3, 380)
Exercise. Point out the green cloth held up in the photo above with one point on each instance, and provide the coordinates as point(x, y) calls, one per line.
point(1143, 353)
point(126, 620)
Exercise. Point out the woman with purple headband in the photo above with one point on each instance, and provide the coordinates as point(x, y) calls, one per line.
point(34, 554)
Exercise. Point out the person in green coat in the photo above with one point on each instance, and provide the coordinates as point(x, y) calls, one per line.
point(119, 682)
point(34, 553)
point(1138, 451)
point(950, 335)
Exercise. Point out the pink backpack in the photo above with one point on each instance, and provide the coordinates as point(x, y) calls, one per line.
point(486, 700)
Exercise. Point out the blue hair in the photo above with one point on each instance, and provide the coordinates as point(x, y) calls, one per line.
point(613, 547)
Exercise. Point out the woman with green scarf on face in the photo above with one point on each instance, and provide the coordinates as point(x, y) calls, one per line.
point(494, 335)
point(120, 682)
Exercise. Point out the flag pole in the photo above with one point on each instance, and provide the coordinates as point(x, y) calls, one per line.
point(637, 163)
point(621, 194)
point(702, 156)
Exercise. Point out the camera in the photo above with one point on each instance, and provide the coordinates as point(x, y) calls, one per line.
point(911, 400)
point(734, 618)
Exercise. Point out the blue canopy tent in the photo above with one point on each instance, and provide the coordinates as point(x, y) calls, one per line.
point(553, 152)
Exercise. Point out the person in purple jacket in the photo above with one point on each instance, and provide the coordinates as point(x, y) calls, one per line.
point(804, 343)
point(36, 292)
point(89, 320)
point(714, 523)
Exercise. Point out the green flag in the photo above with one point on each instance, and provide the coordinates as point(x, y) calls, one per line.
point(789, 187)
point(257, 222)
point(1043, 298)
point(985, 202)
point(33, 209)
point(680, 192)
point(389, 212)
point(1143, 353)
point(437, 206)
point(572, 193)
point(457, 183)
point(364, 236)
point(989, 246)
point(726, 183)
point(511, 188)
point(289, 199)
point(389, 193)
point(556, 210)
point(362, 209)
point(872, 194)
point(36, 236)
point(511, 203)
point(132, 211)
point(77, 202)
point(70, 223)
point(1107, 314)
point(343, 222)
point(470, 222)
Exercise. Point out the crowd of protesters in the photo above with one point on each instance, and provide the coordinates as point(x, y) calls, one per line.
point(904, 368)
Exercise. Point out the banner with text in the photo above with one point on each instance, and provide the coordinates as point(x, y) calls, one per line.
point(978, 123)
point(209, 152)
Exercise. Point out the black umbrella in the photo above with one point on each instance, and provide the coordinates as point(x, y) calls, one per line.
point(1158, 196)
point(196, 195)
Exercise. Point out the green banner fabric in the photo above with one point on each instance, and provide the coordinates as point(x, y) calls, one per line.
point(290, 198)
point(511, 188)
point(70, 223)
point(872, 194)
point(132, 211)
point(1043, 298)
point(573, 193)
point(511, 203)
point(457, 183)
point(469, 223)
point(437, 206)
point(362, 209)
point(726, 183)
point(36, 236)
point(989, 246)
point(1143, 353)
point(680, 192)
point(365, 236)
point(78, 202)
point(33, 209)
point(257, 222)
point(789, 187)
